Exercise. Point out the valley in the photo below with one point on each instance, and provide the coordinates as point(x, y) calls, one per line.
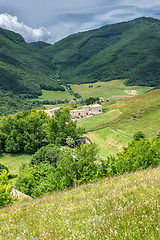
point(90, 175)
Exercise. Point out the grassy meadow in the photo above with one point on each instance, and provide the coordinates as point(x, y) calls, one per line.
point(108, 141)
point(55, 95)
point(121, 207)
point(109, 90)
point(98, 121)
point(114, 129)
point(14, 161)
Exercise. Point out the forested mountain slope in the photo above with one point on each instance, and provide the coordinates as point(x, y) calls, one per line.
point(128, 50)
point(22, 69)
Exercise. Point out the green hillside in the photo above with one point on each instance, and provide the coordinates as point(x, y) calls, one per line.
point(23, 73)
point(23, 69)
point(128, 50)
point(112, 130)
point(125, 50)
point(122, 207)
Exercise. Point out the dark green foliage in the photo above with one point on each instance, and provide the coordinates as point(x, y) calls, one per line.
point(23, 69)
point(138, 135)
point(128, 50)
point(91, 100)
point(3, 167)
point(58, 169)
point(60, 127)
point(139, 154)
point(35, 181)
point(28, 131)
point(50, 154)
point(125, 50)
point(24, 132)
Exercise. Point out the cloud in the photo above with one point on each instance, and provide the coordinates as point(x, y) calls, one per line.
point(29, 34)
point(62, 18)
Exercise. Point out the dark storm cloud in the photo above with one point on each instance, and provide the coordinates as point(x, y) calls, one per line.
point(51, 20)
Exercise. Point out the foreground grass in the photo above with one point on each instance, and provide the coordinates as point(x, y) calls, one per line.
point(122, 207)
point(109, 90)
point(14, 161)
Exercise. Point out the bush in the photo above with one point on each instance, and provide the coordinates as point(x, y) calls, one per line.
point(138, 155)
point(2, 167)
point(5, 187)
point(137, 136)
point(55, 169)
point(50, 154)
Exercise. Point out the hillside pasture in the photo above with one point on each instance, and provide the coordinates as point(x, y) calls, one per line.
point(115, 89)
point(14, 161)
point(55, 95)
point(98, 121)
point(109, 141)
point(115, 128)
point(121, 207)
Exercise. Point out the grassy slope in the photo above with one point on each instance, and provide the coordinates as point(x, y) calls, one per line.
point(107, 89)
point(122, 207)
point(140, 113)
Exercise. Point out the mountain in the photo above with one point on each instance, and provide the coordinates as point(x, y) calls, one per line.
point(23, 70)
point(128, 50)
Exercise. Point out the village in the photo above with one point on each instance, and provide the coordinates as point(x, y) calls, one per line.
point(84, 111)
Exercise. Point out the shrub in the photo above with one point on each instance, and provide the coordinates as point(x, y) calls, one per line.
point(138, 135)
point(55, 169)
point(2, 167)
point(5, 187)
point(139, 154)
point(48, 154)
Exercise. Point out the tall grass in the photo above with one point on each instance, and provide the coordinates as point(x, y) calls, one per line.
point(122, 207)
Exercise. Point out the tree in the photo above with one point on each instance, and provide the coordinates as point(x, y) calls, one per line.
point(138, 135)
point(86, 159)
point(90, 100)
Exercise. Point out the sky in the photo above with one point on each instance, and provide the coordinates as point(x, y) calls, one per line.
point(52, 20)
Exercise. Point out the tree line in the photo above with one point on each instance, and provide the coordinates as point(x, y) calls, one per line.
point(30, 130)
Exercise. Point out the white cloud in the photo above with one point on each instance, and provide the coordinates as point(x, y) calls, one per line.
point(29, 34)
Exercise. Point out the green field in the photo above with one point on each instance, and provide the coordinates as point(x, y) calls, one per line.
point(108, 90)
point(114, 129)
point(55, 95)
point(14, 161)
point(108, 141)
point(121, 207)
point(98, 121)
